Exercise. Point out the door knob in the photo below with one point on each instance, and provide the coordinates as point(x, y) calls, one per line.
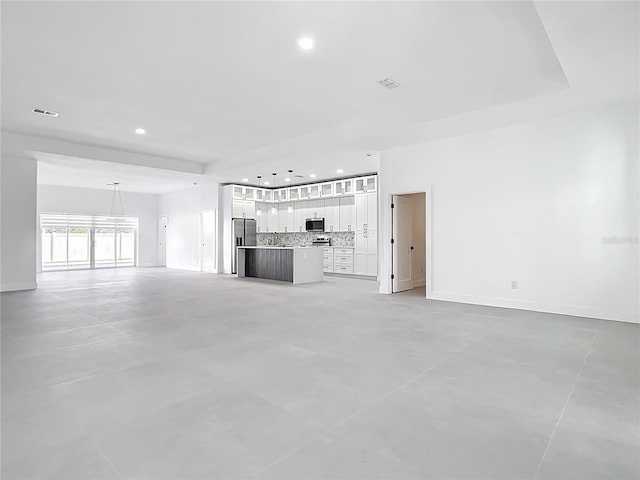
point(411, 247)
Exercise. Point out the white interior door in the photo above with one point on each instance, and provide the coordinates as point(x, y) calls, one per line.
point(402, 248)
point(208, 241)
point(162, 242)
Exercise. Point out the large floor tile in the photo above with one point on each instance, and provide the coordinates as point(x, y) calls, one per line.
point(578, 455)
point(336, 457)
point(224, 433)
point(440, 436)
point(159, 373)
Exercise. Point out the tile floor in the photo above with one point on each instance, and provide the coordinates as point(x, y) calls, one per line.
point(154, 374)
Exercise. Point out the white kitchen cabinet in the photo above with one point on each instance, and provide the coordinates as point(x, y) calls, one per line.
point(366, 253)
point(281, 195)
point(260, 194)
point(328, 260)
point(372, 211)
point(326, 189)
point(286, 218)
point(244, 193)
point(366, 184)
point(268, 195)
point(343, 187)
point(310, 191)
point(262, 225)
point(315, 209)
point(343, 260)
point(300, 216)
point(294, 193)
point(347, 214)
point(332, 215)
point(366, 212)
point(237, 192)
point(243, 209)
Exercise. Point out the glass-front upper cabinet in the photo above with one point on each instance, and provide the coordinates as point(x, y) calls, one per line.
point(244, 193)
point(249, 193)
point(294, 193)
point(305, 192)
point(281, 195)
point(326, 189)
point(268, 195)
point(259, 194)
point(366, 184)
point(343, 187)
point(238, 192)
point(314, 191)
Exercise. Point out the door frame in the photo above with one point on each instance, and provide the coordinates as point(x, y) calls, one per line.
point(215, 239)
point(394, 245)
point(428, 238)
point(166, 226)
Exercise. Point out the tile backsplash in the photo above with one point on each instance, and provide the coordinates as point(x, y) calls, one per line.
point(303, 239)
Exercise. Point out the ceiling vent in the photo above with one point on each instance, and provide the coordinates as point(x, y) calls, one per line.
point(389, 83)
point(48, 113)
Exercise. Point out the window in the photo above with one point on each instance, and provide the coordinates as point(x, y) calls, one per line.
point(79, 241)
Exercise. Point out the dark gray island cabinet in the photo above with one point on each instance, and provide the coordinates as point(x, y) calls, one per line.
point(287, 264)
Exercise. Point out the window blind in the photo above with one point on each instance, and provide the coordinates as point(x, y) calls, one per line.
point(53, 220)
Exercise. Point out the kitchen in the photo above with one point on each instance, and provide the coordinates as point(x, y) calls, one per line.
point(340, 216)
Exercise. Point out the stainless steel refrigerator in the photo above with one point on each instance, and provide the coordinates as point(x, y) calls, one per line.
point(244, 233)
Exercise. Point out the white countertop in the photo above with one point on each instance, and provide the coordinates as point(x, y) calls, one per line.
point(271, 247)
point(277, 247)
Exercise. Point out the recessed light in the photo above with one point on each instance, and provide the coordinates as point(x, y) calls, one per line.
point(140, 131)
point(287, 179)
point(245, 179)
point(312, 175)
point(306, 43)
point(266, 183)
point(339, 170)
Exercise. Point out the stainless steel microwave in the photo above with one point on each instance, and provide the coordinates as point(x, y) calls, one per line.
point(315, 225)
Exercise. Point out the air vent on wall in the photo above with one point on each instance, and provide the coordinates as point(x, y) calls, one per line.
point(49, 113)
point(389, 83)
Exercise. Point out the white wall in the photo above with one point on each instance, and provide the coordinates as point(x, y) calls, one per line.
point(18, 222)
point(87, 201)
point(183, 228)
point(537, 203)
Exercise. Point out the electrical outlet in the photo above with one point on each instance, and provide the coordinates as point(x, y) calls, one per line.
point(515, 285)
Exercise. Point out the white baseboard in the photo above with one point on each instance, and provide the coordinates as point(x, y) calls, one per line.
point(419, 283)
point(14, 287)
point(572, 310)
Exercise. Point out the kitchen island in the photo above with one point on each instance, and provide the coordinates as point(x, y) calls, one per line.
point(288, 264)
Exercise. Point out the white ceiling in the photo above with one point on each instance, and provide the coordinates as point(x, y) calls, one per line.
point(85, 173)
point(224, 84)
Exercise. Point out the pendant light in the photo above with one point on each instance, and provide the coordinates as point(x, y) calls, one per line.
point(290, 177)
point(114, 200)
point(258, 211)
point(273, 209)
